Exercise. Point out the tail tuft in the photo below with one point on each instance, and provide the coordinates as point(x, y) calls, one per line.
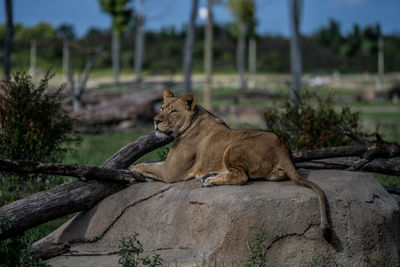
point(327, 234)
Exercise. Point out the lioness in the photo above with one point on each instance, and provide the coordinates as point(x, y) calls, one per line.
point(205, 147)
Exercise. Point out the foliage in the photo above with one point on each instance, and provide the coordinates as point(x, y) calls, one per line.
point(119, 11)
point(312, 122)
point(65, 31)
point(163, 152)
point(359, 40)
point(243, 12)
point(34, 126)
point(314, 261)
point(257, 252)
point(130, 250)
point(17, 252)
point(331, 35)
point(41, 31)
point(164, 49)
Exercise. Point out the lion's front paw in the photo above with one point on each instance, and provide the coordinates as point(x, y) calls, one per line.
point(133, 168)
point(206, 179)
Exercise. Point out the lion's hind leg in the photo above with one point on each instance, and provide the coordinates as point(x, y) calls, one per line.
point(235, 172)
point(230, 177)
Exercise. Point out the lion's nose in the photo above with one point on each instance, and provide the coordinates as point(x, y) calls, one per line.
point(157, 121)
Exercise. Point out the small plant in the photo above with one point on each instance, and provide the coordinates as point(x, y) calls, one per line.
point(17, 252)
point(130, 250)
point(33, 123)
point(258, 252)
point(314, 261)
point(312, 122)
point(163, 152)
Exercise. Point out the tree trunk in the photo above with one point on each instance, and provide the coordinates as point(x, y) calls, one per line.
point(7, 50)
point(208, 42)
point(240, 56)
point(115, 54)
point(252, 62)
point(75, 196)
point(66, 60)
point(70, 73)
point(381, 65)
point(32, 68)
point(78, 94)
point(139, 47)
point(189, 44)
point(295, 45)
point(83, 77)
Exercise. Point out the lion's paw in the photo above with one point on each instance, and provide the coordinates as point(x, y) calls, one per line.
point(205, 179)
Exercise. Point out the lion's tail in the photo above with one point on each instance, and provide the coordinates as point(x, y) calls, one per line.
point(299, 180)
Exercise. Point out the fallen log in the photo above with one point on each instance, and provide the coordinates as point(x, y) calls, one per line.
point(74, 196)
point(364, 148)
point(384, 166)
point(131, 107)
point(329, 152)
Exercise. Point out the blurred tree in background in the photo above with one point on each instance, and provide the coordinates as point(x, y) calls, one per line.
point(139, 45)
point(8, 38)
point(121, 14)
point(355, 42)
point(189, 45)
point(354, 51)
point(41, 31)
point(65, 31)
point(296, 64)
point(243, 12)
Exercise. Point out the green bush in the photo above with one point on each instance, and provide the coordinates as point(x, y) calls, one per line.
point(312, 122)
point(130, 250)
point(33, 124)
point(17, 252)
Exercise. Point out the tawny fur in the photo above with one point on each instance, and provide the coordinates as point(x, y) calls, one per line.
point(205, 147)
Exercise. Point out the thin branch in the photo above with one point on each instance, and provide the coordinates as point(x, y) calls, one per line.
point(384, 166)
point(72, 170)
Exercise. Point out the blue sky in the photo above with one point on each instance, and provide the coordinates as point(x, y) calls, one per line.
point(271, 14)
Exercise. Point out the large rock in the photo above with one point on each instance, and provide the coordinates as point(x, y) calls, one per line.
point(188, 224)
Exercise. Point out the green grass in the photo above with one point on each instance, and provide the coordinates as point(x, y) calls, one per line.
point(96, 148)
point(43, 230)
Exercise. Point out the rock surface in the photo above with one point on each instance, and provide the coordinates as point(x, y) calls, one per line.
point(189, 225)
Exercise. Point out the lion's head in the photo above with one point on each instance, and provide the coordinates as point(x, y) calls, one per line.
point(176, 114)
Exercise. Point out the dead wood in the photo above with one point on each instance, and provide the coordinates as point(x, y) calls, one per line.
point(384, 166)
point(74, 196)
point(128, 107)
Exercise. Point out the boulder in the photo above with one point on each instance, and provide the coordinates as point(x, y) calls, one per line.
point(189, 225)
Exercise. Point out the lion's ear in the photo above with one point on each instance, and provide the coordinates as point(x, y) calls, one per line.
point(190, 100)
point(168, 94)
